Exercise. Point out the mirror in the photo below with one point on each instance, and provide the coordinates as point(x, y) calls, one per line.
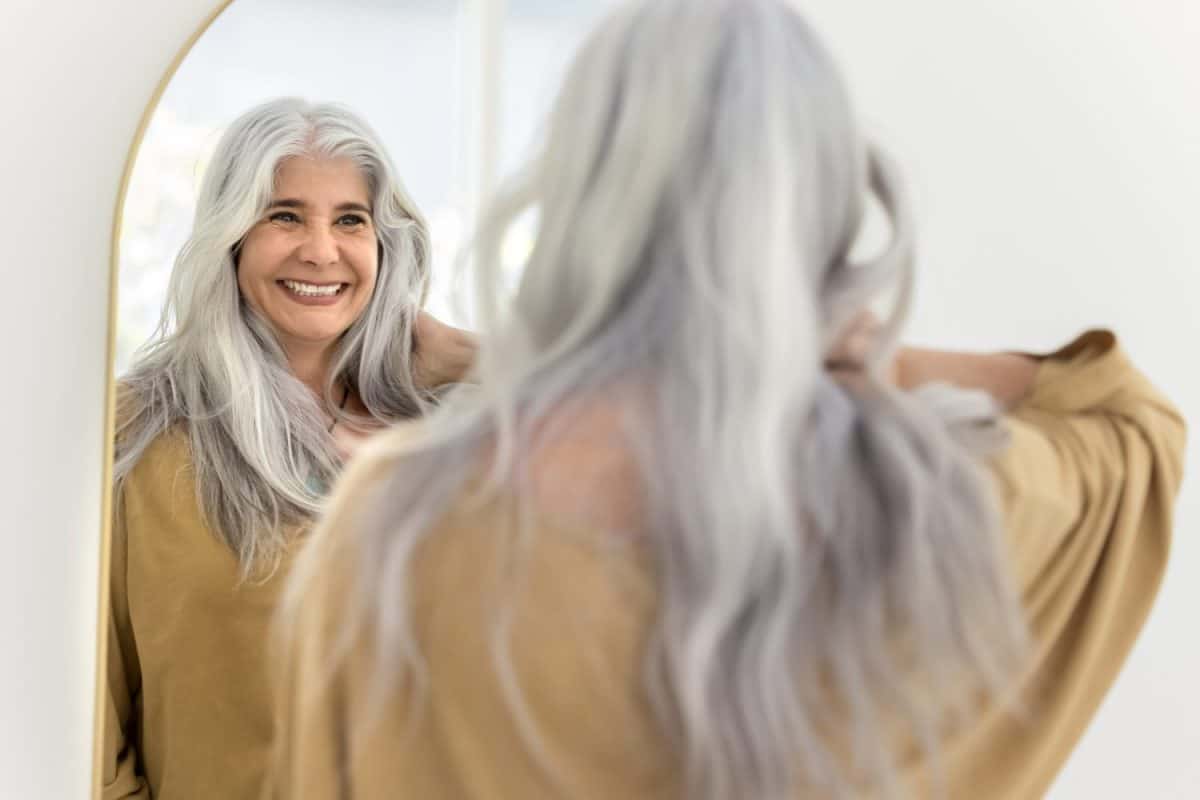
point(454, 90)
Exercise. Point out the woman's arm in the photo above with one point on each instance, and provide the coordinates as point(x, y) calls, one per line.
point(1087, 486)
point(1007, 377)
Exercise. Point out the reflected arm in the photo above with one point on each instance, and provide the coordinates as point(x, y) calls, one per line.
point(122, 771)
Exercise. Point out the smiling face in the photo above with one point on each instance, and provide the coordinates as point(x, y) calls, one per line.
point(309, 265)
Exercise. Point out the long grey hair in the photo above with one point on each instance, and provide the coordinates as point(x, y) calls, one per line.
point(826, 551)
point(260, 446)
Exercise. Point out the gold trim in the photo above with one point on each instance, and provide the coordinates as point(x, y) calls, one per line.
point(110, 403)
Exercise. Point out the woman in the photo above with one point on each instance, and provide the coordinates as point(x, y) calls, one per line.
point(287, 337)
point(688, 539)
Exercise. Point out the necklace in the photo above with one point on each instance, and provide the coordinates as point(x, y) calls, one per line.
point(345, 396)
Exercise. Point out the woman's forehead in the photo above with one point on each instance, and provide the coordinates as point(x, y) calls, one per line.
point(319, 179)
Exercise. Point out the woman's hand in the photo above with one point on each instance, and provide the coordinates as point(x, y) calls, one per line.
point(848, 358)
point(441, 353)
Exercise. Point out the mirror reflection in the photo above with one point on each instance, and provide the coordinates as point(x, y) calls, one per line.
point(298, 197)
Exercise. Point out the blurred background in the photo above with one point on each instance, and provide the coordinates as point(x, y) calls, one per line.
point(1053, 150)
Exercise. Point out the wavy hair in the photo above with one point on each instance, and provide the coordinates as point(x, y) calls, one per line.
point(262, 455)
point(827, 552)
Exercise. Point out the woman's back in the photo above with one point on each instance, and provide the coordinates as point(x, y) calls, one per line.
point(832, 580)
point(1087, 486)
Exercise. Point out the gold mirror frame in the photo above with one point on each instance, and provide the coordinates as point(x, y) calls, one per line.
point(110, 352)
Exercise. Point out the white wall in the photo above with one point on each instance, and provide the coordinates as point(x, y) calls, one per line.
point(1055, 149)
point(75, 79)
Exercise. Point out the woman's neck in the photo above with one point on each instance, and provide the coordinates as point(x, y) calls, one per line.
point(310, 364)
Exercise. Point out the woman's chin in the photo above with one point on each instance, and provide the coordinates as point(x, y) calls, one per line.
point(309, 336)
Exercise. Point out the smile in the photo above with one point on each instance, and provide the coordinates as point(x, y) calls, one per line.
point(313, 289)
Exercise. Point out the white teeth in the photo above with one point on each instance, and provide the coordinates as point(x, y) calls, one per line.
point(309, 290)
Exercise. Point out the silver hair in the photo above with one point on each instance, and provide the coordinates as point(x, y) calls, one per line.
point(827, 553)
point(261, 451)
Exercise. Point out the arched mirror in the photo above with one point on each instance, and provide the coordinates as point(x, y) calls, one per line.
point(454, 90)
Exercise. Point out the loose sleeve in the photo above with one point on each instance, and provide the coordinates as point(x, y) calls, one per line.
point(122, 773)
point(1087, 486)
point(1090, 478)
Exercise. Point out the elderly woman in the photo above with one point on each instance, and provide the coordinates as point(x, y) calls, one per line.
point(699, 534)
point(288, 336)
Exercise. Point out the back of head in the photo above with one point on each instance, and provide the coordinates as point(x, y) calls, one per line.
point(700, 187)
point(703, 159)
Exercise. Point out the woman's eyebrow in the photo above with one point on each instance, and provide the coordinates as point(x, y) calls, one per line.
point(291, 202)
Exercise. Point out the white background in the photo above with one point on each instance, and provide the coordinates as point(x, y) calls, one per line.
point(1055, 155)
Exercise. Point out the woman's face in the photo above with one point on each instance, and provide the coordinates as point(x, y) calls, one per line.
point(309, 265)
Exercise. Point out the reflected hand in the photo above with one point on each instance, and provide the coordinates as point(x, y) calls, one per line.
point(441, 353)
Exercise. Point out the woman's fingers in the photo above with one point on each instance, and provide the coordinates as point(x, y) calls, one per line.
point(442, 353)
point(854, 345)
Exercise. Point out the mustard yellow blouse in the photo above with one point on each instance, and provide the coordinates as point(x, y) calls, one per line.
point(1087, 487)
point(189, 699)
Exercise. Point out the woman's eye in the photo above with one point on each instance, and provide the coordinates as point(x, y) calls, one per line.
point(352, 221)
point(284, 216)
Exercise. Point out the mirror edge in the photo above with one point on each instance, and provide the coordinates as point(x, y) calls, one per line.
point(106, 478)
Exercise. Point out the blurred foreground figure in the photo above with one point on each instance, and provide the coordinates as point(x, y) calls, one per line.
point(704, 531)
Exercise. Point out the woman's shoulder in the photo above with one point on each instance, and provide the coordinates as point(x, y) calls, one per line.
point(167, 456)
point(376, 455)
point(131, 412)
point(1090, 379)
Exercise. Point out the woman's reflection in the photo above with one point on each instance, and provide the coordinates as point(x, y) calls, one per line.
point(291, 330)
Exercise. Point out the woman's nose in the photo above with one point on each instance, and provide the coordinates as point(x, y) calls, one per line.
point(319, 247)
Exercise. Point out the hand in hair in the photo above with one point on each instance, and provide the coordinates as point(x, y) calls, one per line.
point(849, 355)
point(442, 353)
point(1007, 377)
